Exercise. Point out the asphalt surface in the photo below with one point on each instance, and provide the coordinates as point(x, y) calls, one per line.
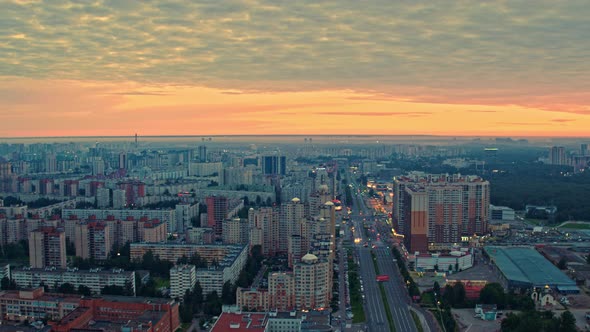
point(395, 289)
point(373, 303)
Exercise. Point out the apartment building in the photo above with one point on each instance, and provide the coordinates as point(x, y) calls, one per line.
point(47, 248)
point(95, 279)
point(182, 278)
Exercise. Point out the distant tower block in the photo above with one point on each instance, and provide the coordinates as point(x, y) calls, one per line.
point(136, 140)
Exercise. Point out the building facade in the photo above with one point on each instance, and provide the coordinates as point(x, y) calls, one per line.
point(312, 286)
point(95, 279)
point(438, 210)
point(47, 248)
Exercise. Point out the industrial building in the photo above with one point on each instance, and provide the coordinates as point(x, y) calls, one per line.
point(523, 268)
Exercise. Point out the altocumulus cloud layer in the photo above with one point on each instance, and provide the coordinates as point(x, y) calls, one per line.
point(531, 53)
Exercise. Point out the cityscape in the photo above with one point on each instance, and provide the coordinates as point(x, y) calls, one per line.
point(293, 233)
point(294, 166)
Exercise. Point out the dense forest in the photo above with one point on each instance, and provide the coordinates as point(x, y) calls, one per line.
point(519, 184)
point(517, 178)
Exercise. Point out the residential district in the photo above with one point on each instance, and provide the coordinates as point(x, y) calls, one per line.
point(313, 234)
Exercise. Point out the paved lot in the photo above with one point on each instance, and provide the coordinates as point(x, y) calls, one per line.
point(468, 323)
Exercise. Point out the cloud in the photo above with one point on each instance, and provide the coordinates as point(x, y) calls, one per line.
point(370, 114)
point(482, 111)
point(457, 54)
point(348, 44)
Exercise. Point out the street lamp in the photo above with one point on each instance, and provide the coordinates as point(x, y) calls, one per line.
point(442, 323)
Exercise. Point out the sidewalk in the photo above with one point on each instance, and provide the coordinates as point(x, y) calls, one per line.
point(425, 326)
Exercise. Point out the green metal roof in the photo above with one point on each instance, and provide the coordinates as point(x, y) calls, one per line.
point(528, 266)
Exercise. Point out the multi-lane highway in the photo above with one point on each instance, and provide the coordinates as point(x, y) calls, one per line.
point(372, 302)
point(395, 290)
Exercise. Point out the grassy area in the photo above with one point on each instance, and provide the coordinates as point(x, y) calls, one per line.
point(417, 321)
point(161, 282)
point(536, 222)
point(356, 301)
point(386, 307)
point(570, 225)
point(427, 300)
point(183, 327)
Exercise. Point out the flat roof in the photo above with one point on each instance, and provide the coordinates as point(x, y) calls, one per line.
point(528, 266)
point(234, 322)
point(480, 272)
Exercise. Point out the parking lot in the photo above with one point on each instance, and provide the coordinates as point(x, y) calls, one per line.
point(468, 323)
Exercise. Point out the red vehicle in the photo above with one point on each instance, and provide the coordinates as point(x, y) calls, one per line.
point(383, 277)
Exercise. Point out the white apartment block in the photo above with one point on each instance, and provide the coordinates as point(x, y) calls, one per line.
point(182, 278)
point(103, 197)
point(95, 279)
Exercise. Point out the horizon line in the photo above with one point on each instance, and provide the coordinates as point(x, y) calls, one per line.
point(296, 135)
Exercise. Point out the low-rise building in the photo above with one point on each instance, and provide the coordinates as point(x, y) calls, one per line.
point(273, 321)
point(119, 313)
point(453, 262)
point(34, 305)
point(501, 213)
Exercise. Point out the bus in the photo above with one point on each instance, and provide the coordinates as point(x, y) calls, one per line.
point(382, 277)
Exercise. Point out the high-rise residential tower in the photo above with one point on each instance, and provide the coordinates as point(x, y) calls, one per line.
point(436, 211)
point(47, 248)
point(274, 165)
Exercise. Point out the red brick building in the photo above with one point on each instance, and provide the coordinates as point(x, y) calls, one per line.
point(113, 315)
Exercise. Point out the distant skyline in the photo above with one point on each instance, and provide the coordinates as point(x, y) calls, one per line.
point(256, 67)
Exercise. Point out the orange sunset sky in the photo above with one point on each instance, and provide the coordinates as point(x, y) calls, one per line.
point(99, 67)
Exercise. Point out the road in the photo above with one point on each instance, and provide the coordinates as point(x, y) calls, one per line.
point(395, 289)
point(373, 303)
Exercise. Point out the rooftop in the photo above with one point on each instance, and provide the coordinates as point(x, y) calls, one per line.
point(234, 322)
point(478, 272)
point(526, 265)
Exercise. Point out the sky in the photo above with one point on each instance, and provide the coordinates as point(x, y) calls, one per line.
point(257, 67)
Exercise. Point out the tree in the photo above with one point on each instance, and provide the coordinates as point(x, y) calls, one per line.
point(66, 288)
point(115, 290)
point(7, 284)
point(84, 290)
point(436, 287)
point(197, 297)
point(185, 311)
point(70, 248)
point(243, 279)
point(459, 293)
point(567, 322)
point(213, 304)
point(450, 267)
point(562, 265)
point(228, 293)
point(448, 295)
point(243, 213)
point(511, 322)
point(492, 293)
